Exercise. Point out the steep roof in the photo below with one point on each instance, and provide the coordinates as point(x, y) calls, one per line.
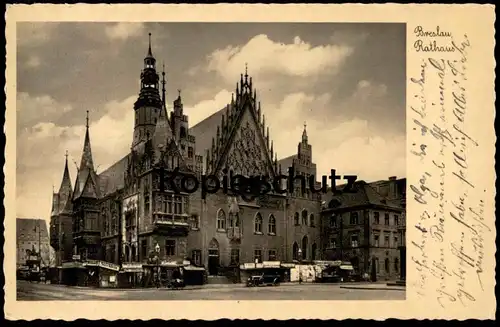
point(86, 184)
point(363, 194)
point(205, 130)
point(113, 178)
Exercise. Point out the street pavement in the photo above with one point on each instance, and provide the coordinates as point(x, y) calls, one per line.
point(27, 291)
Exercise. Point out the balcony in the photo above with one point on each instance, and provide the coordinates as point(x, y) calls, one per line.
point(171, 224)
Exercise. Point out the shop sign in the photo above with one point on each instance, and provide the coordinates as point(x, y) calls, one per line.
point(132, 267)
point(288, 265)
point(102, 264)
point(271, 264)
point(165, 263)
point(76, 257)
point(249, 265)
point(112, 278)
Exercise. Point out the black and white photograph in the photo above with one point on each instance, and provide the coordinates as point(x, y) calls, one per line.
point(210, 161)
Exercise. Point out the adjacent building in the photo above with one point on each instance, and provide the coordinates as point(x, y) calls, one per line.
point(364, 227)
point(32, 240)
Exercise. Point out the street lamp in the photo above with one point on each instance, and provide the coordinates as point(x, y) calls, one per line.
point(300, 267)
point(157, 251)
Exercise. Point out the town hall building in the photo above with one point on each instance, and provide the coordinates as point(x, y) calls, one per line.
point(124, 214)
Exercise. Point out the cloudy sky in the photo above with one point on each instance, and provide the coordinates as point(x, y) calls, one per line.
point(346, 80)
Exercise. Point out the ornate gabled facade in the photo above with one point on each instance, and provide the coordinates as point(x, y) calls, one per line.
point(124, 214)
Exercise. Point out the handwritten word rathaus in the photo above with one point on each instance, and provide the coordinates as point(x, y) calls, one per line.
point(250, 187)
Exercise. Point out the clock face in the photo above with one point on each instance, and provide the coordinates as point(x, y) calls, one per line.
point(190, 184)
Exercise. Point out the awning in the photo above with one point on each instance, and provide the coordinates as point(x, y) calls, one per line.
point(193, 268)
point(72, 265)
point(102, 264)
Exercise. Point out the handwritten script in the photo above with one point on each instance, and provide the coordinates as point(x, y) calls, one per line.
point(450, 226)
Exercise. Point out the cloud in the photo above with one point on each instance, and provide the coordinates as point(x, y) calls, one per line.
point(353, 146)
point(123, 31)
point(35, 109)
point(41, 149)
point(264, 57)
point(206, 108)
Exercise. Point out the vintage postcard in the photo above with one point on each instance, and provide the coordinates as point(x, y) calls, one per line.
point(282, 159)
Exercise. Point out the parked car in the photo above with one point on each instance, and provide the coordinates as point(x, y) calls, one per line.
point(263, 280)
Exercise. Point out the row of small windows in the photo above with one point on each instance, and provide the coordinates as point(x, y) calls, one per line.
point(234, 221)
point(354, 219)
point(354, 241)
point(306, 220)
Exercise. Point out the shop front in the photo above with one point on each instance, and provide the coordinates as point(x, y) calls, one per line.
point(101, 273)
point(336, 271)
point(131, 275)
point(193, 275)
point(73, 273)
point(267, 268)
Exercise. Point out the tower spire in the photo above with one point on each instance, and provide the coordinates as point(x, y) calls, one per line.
point(65, 191)
point(304, 133)
point(150, 53)
point(163, 91)
point(87, 160)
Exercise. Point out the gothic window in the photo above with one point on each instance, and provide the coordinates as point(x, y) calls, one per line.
point(333, 221)
point(114, 223)
point(183, 132)
point(311, 220)
point(296, 219)
point(272, 225)
point(169, 205)
point(354, 241)
point(304, 247)
point(353, 219)
point(144, 249)
point(221, 220)
point(258, 224)
point(91, 222)
point(313, 251)
point(178, 205)
point(295, 253)
point(146, 205)
point(304, 217)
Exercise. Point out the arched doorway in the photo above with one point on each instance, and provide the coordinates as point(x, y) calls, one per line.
point(313, 251)
point(295, 254)
point(213, 257)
